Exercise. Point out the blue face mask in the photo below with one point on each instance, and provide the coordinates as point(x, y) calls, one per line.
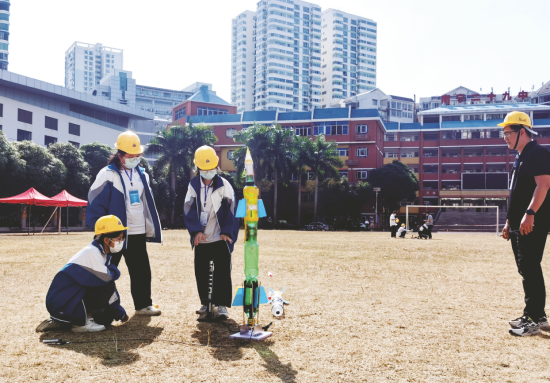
point(208, 174)
point(131, 163)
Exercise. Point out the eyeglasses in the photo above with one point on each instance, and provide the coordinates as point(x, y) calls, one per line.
point(507, 134)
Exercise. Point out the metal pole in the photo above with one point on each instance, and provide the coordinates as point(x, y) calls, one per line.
point(29, 225)
point(498, 222)
point(376, 210)
point(67, 219)
point(407, 216)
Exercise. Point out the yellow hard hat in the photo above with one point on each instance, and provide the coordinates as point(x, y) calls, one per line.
point(516, 118)
point(129, 142)
point(403, 224)
point(108, 224)
point(206, 158)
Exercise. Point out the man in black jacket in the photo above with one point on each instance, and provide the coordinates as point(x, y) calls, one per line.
point(528, 222)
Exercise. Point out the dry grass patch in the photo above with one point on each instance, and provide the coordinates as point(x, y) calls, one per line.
point(364, 307)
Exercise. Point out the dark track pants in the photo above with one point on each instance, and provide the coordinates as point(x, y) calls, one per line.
point(528, 251)
point(393, 230)
point(223, 288)
point(96, 302)
point(430, 227)
point(137, 260)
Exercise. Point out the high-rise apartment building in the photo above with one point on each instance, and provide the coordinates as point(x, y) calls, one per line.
point(4, 33)
point(87, 64)
point(288, 56)
point(242, 60)
point(349, 55)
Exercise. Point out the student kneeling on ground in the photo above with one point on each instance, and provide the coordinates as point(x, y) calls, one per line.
point(402, 231)
point(83, 294)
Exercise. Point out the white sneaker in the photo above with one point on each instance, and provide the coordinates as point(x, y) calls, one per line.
point(149, 311)
point(202, 310)
point(90, 326)
point(222, 312)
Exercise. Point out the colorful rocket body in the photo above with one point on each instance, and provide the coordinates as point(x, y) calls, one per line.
point(250, 208)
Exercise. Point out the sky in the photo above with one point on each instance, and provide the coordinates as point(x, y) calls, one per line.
point(425, 47)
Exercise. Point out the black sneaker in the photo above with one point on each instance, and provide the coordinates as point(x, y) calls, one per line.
point(527, 328)
point(516, 323)
point(51, 325)
point(543, 324)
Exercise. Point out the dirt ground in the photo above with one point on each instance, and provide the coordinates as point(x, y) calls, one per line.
point(364, 307)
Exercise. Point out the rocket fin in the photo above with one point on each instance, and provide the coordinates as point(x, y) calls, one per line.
point(286, 302)
point(263, 296)
point(272, 292)
point(239, 295)
point(261, 209)
point(284, 288)
point(241, 209)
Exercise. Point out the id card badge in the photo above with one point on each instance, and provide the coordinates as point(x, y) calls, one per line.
point(134, 197)
point(204, 218)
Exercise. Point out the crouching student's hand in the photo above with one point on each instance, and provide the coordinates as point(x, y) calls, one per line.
point(226, 238)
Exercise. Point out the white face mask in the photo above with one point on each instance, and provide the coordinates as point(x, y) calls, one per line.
point(131, 163)
point(208, 174)
point(117, 246)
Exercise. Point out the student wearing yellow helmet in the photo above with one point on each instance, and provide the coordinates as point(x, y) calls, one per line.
point(122, 188)
point(83, 295)
point(527, 222)
point(209, 214)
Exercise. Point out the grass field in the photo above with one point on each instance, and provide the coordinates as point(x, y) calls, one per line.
point(364, 307)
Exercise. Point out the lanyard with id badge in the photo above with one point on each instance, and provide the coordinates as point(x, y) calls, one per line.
point(205, 214)
point(134, 193)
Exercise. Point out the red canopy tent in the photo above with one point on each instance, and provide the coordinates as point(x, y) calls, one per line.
point(33, 197)
point(66, 199)
point(30, 197)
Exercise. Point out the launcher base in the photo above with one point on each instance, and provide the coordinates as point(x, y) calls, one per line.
point(251, 333)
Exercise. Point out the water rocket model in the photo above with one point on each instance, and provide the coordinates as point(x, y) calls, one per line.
point(252, 294)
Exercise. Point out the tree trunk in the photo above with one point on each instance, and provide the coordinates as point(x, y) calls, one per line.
point(173, 190)
point(299, 197)
point(315, 205)
point(275, 199)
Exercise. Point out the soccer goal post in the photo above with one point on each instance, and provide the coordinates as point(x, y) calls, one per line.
point(454, 207)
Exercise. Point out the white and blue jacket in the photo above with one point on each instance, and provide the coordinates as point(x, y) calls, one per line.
point(108, 196)
point(223, 202)
point(90, 267)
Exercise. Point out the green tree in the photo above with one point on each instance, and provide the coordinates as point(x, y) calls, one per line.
point(300, 160)
point(43, 171)
point(256, 139)
point(340, 199)
point(12, 168)
point(397, 183)
point(278, 158)
point(97, 156)
point(77, 180)
point(175, 148)
point(324, 161)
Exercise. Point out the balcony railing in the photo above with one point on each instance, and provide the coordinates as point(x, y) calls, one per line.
point(361, 137)
point(352, 162)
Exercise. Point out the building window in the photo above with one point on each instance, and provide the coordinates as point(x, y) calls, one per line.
point(374, 102)
point(450, 118)
point(74, 129)
point(76, 144)
point(362, 152)
point(24, 116)
point(206, 111)
point(1, 110)
point(343, 152)
point(343, 173)
point(48, 140)
point(304, 131)
point(362, 129)
point(390, 137)
point(330, 128)
point(24, 135)
point(229, 133)
point(361, 174)
point(51, 123)
point(230, 154)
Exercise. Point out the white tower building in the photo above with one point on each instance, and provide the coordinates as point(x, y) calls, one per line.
point(287, 56)
point(242, 60)
point(349, 56)
point(87, 64)
point(4, 33)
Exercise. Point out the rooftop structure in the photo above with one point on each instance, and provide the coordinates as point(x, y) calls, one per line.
point(391, 108)
point(4, 33)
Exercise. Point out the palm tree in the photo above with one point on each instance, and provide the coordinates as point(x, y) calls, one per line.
point(175, 148)
point(324, 161)
point(300, 160)
point(279, 157)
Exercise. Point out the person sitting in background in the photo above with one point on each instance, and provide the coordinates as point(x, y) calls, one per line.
point(83, 294)
point(402, 231)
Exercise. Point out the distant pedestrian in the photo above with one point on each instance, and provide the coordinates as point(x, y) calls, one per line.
point(122, 188)
point(527, 222)
point(430, 223)
point(393, 224)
